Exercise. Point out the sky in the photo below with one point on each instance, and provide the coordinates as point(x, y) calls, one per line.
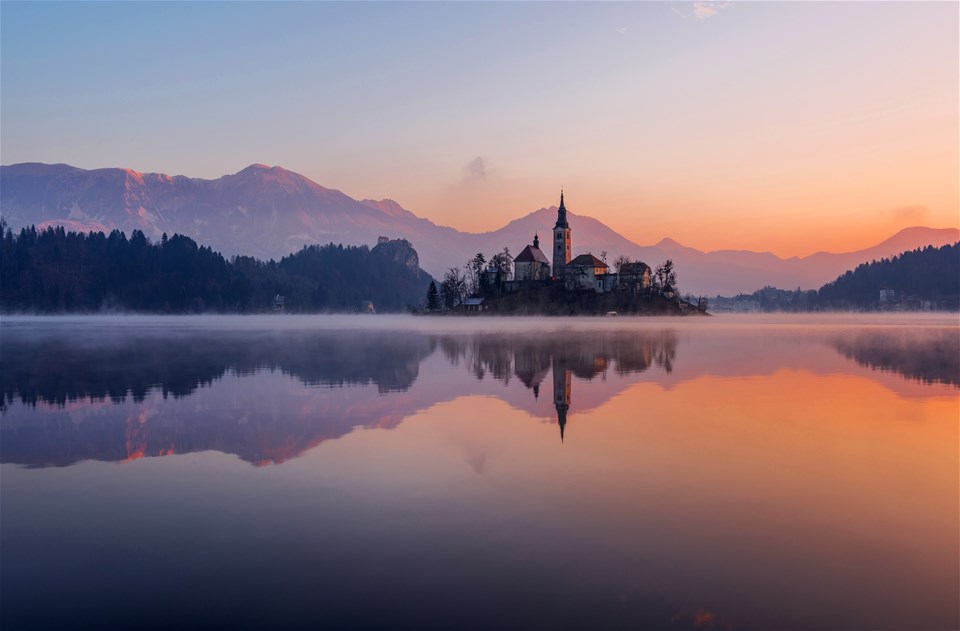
point(783, 127)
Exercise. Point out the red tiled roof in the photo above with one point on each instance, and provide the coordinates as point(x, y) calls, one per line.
point(587, 260)
point(531, 254)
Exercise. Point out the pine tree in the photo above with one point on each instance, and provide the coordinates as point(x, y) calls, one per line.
point(433, 298)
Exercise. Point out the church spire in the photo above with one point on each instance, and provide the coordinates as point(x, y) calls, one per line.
point(562, 420)
point(536, 240)
point(562, 214)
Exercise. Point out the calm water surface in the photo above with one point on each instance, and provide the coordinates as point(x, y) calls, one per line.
point(328, 472)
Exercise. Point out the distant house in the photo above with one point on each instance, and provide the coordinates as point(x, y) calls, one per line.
point(887, 295)
point(584, 272)
point(278, 303)
point(366, 306)
point(474, 304)
point(531, 263)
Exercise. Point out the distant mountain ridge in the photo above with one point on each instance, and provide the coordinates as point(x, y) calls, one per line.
point(269, 212)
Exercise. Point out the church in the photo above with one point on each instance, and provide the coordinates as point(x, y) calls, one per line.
point(582, 273)
point(531, 263)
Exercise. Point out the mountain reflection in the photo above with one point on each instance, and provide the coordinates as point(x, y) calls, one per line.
point(267, 397)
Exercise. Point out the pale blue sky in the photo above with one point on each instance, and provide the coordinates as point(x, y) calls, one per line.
point(652, 117)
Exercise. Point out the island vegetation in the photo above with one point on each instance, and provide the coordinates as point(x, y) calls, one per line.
point(490, 287)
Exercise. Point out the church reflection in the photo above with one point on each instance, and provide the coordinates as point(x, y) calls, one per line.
point(561, 394)
point(562, 356)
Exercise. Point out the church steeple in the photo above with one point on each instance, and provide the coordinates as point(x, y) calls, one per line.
point(561, 241)
point(562, 214)
point(562, 420)
point(536, 241)
point(561, 392)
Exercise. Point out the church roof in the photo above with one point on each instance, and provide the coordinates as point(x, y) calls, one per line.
point(531, 254)
point(587, 260)
point(561, 214)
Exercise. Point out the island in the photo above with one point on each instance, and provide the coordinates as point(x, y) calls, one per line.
point(583, 285)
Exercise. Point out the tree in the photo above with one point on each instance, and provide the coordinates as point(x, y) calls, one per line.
point(665, 279)
point(502, 262)
point(433, 298)
point(452, 288)
point(603, 256)
point(620, 261)
point(475, 267)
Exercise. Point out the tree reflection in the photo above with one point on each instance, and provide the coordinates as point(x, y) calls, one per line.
point(55, 369)
point(926, 356)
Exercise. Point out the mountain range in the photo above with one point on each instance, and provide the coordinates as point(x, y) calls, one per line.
point(269, 212)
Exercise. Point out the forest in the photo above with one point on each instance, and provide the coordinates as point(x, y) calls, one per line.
point(927, 274)
point(54, 271)
point(927, 278)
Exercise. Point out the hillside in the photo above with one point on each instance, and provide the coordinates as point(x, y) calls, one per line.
point(54, 271)
point(920, 279)
point(268, 212)
point(928, 275)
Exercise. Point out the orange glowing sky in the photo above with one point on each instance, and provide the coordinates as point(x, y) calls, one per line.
point(789, 127)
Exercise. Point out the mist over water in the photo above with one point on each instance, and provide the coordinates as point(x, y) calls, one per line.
point(357, 471)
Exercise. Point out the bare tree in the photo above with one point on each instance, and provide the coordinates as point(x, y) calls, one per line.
point(453, 288)
point(620, 261)
point(665, 279)
point(474, 271)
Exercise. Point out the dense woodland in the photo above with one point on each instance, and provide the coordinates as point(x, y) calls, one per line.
point(925, 274)
point(53, 271)
point(925, 278)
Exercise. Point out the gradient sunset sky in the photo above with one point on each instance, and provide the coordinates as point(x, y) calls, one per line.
point(788, 127)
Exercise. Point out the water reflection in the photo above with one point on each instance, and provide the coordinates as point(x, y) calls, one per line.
point(121, 397)
point(563, 355)
point(58, 367)
point(708, 477)
point(927, 356)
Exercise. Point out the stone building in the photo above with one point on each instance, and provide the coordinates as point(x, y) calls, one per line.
point(585, 272)
point(634, 276)
point(531, 263)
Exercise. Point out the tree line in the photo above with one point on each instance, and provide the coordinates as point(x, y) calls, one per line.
point(53, 270)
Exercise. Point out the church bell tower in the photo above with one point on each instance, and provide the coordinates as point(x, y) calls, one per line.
point(561, 241)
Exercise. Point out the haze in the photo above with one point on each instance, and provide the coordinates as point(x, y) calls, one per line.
point(788, 127)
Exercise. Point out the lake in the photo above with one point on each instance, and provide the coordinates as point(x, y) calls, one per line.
point(732, 472)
